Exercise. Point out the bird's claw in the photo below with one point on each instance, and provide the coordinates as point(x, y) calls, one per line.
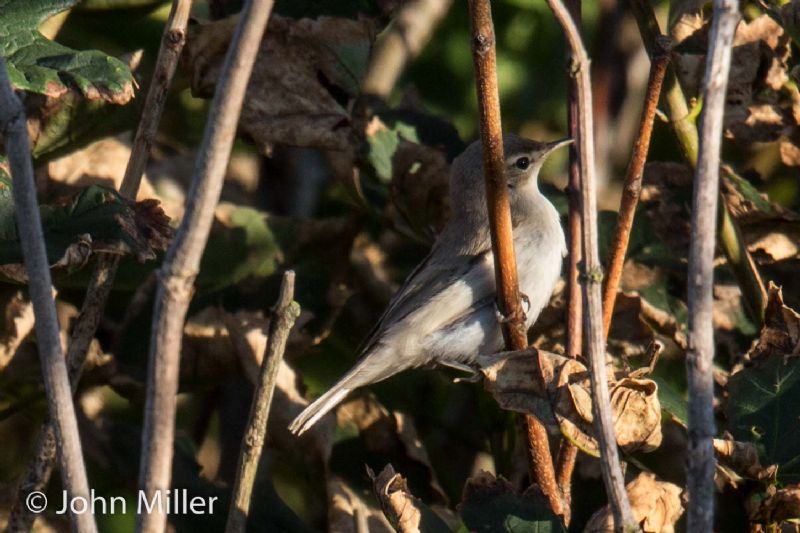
point(473, 376)
point(503, 319)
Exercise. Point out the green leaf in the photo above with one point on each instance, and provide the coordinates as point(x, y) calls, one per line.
point(763, 397)
point(247, 246)
point(763, 409)
point(97, 211)
point(491, 506)
point(672, 401)
point(72, 121)
point(39, 65)
point(411, 126)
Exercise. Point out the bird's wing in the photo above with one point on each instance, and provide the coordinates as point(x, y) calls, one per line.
point(431, 279)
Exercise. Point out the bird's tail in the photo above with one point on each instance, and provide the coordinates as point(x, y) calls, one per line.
point(319, 408)
point(375, 366)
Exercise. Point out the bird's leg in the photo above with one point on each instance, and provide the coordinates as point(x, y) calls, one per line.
point(526, 302)
point(503, 319)
point(473, 375)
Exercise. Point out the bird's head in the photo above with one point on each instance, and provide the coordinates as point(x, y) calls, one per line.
point(523, 159)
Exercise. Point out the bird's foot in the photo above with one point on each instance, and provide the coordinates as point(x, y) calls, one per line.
point(503, 319)
point(473, 376)
point(526, 302)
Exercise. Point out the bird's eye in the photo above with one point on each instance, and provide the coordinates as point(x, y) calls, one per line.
point(522, 163)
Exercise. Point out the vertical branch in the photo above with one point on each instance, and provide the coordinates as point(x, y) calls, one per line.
point(284, 314)
point(40, 468)
point(54, 369)
point(483, 53)
point(181, 264)
point(568, 452)
point(700, 354)
point(633, 181)
point(592, 316)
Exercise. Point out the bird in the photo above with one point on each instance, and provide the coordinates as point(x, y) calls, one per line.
point(445, 312)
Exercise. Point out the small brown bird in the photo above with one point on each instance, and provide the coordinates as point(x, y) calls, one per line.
point(445, 311)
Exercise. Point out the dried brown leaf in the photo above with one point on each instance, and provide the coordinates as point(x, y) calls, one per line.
point(301, 84)
point(783, 504)
point(781, 332)
point(742, 458)
point(399, 505)
point(656, 506)
point(512, 378)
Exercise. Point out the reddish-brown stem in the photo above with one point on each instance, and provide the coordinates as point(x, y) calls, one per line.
point(568, 453)
point(633, 181)
point(514, 331)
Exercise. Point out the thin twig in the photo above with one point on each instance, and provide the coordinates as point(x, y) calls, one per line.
point(700, 354)
point(568, 452)
point(632, 187)
point(514, 331)
point(410, 31)
point(177, 274)
point(40, 287)
point(40, 467)
point(284, 315)
point(593, 312)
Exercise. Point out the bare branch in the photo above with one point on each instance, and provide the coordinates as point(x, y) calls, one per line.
point(284, 315)
point(700, 354)
point(40, 467)
point(515, 332)
point(54, 369)
point(592, 316)
point(182, 262)
point(632, 187)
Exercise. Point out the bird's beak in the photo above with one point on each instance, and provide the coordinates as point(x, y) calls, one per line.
point(555, 145)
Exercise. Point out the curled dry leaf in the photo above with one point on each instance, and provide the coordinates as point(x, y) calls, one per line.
point(782, 505)
point(656, 506)
point(511, 377)
point(304, 77)
point(400, 506)
point(742, 458)
point(781, 332)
